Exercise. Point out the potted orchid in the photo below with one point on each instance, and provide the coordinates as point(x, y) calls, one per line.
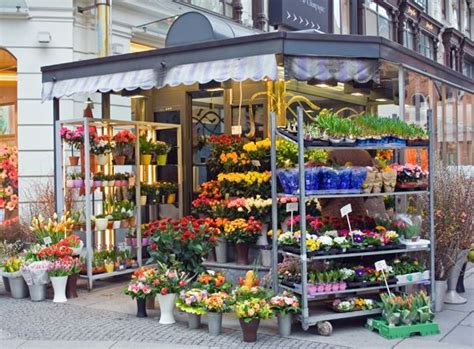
point(192, 302)
point(285, 304)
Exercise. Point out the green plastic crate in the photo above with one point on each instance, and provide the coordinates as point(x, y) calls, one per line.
point(401, 331)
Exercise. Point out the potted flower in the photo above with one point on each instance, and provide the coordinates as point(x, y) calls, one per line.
point(58, 271)
point(102, 148)
point(161, 150)
point(101, 222)
point(75, 140)
point(212, 282)
point(192, 303)
point(99, 179)
point(11, 270)
point(243, 232)
point(250, 312)
point(109, 265)
point(36, 277)
point(77, 180)
point(147, 148)
point(140, 287)
point(169, 282)
point(215, 305)
point(71, 284)
point(123, 145)
point(285, 304)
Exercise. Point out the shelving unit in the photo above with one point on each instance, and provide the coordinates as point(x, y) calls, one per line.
point(142, 173)
point(312, 314)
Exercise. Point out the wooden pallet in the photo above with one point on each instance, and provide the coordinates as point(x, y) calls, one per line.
point(401, 331)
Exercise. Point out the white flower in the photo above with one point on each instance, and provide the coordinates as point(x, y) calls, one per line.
point(326, 240)
point(331, 233)
point(340, 240)
point(346, 273)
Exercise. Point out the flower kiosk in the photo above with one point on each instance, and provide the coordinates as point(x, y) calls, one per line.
point(261, 114)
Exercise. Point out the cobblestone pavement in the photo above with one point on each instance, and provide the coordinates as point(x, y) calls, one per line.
point(23, 319)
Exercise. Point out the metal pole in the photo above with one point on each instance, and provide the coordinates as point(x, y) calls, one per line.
point(137, 196)
point(87, 181)
point(274, 202)
point(305, 311)
point(57, 157)
point(431, 150)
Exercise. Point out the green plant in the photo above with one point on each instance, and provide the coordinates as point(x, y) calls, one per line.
point(166, 188)
point(162, 148)
point(147, 146)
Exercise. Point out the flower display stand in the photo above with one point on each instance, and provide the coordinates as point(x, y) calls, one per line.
point(401, 331)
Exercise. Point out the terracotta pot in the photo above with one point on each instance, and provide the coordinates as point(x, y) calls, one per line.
point(119, 159)
point(73, 160)
point(249, 330)
point(71, 286)
point(242, 256)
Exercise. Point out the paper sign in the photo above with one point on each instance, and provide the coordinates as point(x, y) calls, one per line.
point(381, 265)
point(346, 210)
point(237, 130)
point(28, 278)
point(256, 163)
point(2, 216)
point(47, 240)
point(291, 207)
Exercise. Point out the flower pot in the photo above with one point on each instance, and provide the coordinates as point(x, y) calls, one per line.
point(134, 242)
point(109, 267)
point(221, 250)
point(37, 292)
point(97, 184)
point(59, 286)
point(150, 301)
point(211, 257)
point(167, 304)
point(312, 289)
point(143, 200)
point(214, 323)
point(101, 223)
point(6, 284)
point(242, 255)
point(102, 159)
point(71, 286)
point(393, 319)
point(284, 325)
point(145, 159)
point(73, 160)
point(116, 224)
point(262, 239)
point(327, 287)
point(171, 199)
point(145, 241)
point(452, 297)
point(18, 287)
point(119, 159)
point(342, 286)
point(124, 223)
point(70, 183)
point(161, 159)
point(194, 321)
point(320, 288)
point(335, 287)
point(266, 257)
point(78, 183)
point(249, 330)
point(141, 307)
point(440, 293)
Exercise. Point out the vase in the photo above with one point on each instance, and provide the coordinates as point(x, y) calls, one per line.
point(214, 323)
point(211, 257)
point(242, 253)
point(141, 307)
point(18, 287)
point(263, 239)
point(37, 292)
point(440, 292)
point(150, 302)
point(73, 160)
point(221, 250)
point(71, 286)
point(161, 159)
point(145, 159)
point(70, 183)
point(284, 325)
point(143, 199)
point(266, 253)
point(452, 297)
point(460, 284)
point(249, 330)
point(102, 159)
point(167, 304)
point(119, 159)
point(194, 321)
point(59, 286)
point(78, 183)
point(171, 199)
point(101, 223)
point(6, 284)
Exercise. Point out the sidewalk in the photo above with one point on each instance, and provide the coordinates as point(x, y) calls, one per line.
point(104, 318)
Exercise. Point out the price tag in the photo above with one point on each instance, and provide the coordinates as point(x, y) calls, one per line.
point(346, 210)
point(237, 130)
point(381, 265)
point(47, 240)
point(291, 207)
point(256, 163)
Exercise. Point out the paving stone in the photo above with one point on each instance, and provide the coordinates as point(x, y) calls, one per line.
point(461, 335)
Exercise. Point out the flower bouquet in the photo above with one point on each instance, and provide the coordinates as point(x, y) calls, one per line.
point(140, 287)
point(212, 282)
point(215, 305)
point(58, 271)
point(123, 145)
point(12, 271)
point(192, 302)
point(284, 305)
point(102, 148)
point(36, 277)
point(250, 312)
point(243, 232)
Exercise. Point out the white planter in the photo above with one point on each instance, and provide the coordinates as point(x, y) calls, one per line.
point(262, 239)
point(440, 293)
point(425, 275)
point(116, 224)
point(59, 286)
point(167, 304)
point(101, 223)
point(102, 159)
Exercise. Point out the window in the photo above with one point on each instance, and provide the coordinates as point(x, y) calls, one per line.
point(423, 4)
point(467, 20)
point(341, 16)
point(377, 20)
point(223, 7)
point(426, 47)
point(408, 36)
point(468, 68)
point(444, 9)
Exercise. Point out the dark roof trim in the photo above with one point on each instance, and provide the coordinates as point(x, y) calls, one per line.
point(286, 43)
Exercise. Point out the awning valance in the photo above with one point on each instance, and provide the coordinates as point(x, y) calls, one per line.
point(238, 69)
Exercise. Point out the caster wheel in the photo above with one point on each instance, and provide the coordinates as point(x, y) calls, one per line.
point(305, 327)
point(324, 328)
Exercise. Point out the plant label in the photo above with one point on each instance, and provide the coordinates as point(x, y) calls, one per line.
point(346, 210)
point(381, 265)
point(291, 207)
point(256, 163)
point(236, 130)
point(47, 240)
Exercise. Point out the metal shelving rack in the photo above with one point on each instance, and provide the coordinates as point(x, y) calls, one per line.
point(312, 315)
point(145, 173)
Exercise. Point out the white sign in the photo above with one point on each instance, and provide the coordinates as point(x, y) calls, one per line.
point(47, 240)
point(381, 265)
point(291, 207)
point(256, 163)
point(237, 130)
point(346, 210)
